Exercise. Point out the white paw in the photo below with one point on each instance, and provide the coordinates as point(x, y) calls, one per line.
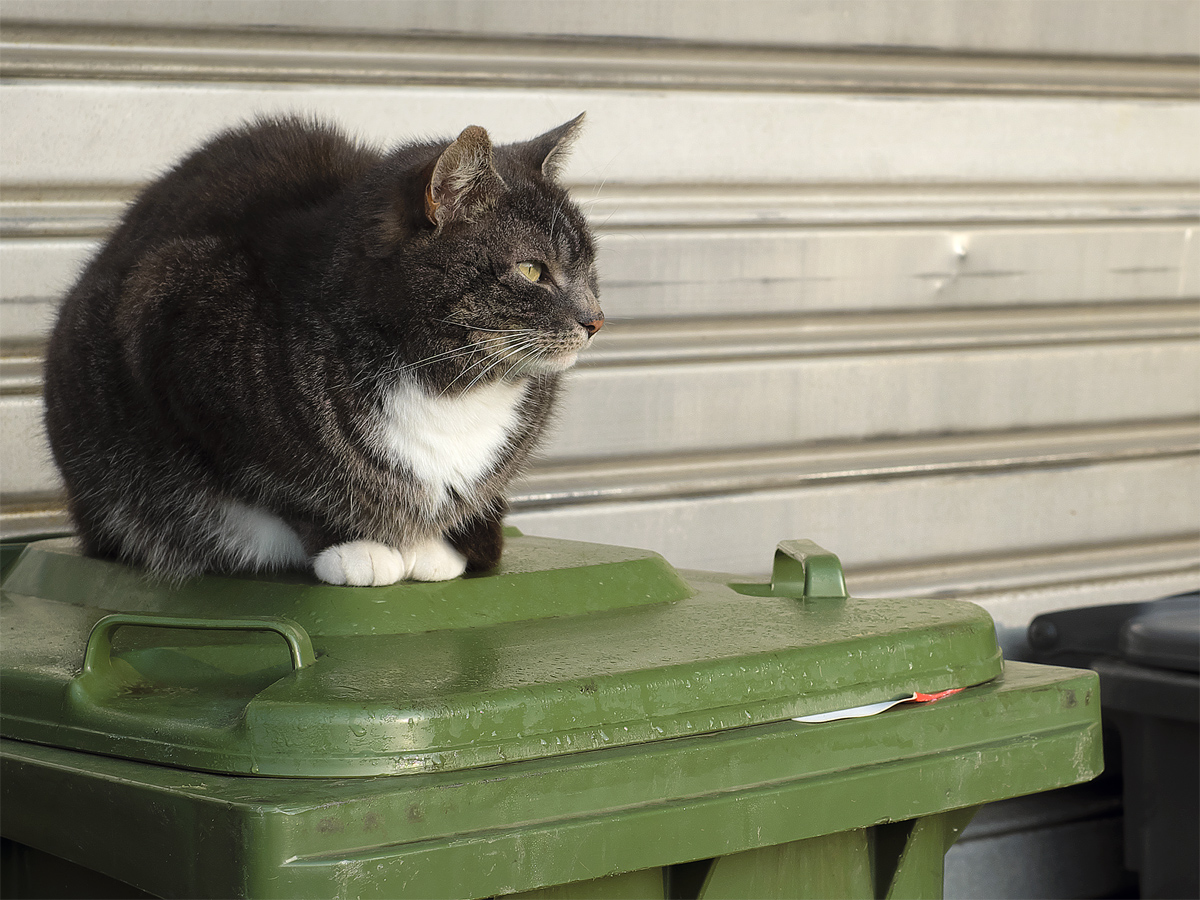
point(359, 563)
point(434, 560)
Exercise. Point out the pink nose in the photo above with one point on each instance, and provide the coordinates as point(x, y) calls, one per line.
point(593, 326)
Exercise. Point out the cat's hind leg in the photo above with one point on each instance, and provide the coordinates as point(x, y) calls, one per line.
point(254, 539)
point(182, 529)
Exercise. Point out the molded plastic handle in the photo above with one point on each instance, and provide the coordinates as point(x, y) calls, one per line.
point(804, 570)
point(98, 655)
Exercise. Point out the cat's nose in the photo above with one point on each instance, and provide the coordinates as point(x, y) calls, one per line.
point(593, 326)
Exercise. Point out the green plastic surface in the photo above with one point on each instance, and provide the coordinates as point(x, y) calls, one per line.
point(851, 808)
point(568, 647)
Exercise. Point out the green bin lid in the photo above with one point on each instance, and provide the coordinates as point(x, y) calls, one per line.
point(566, 647)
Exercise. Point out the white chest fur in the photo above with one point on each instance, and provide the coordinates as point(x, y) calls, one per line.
point(448, 442)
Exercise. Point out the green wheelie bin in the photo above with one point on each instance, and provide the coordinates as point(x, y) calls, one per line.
point(586, 721)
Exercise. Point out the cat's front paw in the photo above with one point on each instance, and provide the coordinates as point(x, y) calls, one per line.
point(360, 563)
point(434, 560)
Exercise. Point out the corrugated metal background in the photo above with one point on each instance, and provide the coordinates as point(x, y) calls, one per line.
point(917, 280)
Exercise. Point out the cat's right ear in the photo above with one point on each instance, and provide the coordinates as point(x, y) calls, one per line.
point(548, 152)
point(464, 182)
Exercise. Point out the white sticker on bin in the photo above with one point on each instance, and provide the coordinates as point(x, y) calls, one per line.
point(858, 712)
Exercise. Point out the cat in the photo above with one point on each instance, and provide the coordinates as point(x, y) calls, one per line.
point(298, 351)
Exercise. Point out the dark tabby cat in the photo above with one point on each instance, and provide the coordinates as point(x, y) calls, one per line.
point(298, 351)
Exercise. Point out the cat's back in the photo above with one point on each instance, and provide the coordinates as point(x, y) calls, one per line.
point(241, 180)
point(173, 264)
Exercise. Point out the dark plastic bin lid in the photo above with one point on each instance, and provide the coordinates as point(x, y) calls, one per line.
point(1167, 638)
point(1158, 634)
point(567, 647)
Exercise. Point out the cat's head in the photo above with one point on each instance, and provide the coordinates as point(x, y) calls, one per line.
point(497, 261)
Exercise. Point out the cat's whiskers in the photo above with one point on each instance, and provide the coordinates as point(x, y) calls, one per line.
point(489, 345)
point(521, 365)
point(486, 359)
point(467, 369)
point(494, 330)
point(516, 349)
point(519, 348)
point(531, 353)
point(449, 354)
point(395, 369)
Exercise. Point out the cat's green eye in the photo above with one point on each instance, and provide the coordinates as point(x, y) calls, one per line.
point(530, 271)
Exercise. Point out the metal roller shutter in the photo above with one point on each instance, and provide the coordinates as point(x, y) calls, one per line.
point(917, 280)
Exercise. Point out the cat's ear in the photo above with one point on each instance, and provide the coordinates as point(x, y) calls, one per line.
point(548, 152)
point(465, 181)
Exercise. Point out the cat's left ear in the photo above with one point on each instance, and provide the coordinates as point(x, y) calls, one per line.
point(464, 182)
point(548, 152)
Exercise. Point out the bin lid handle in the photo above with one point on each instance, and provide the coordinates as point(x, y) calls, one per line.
point(97, 655)
point(804, 570)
